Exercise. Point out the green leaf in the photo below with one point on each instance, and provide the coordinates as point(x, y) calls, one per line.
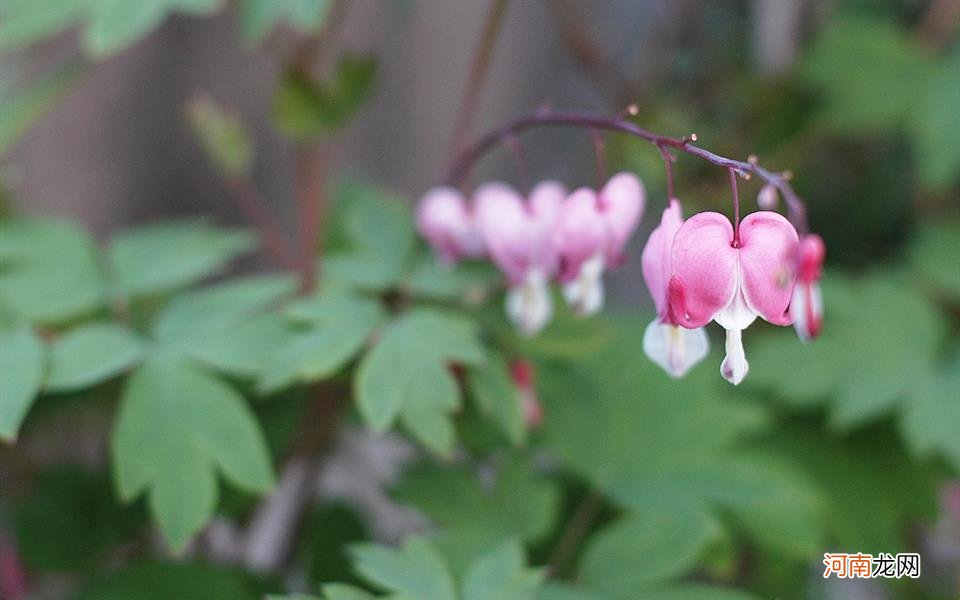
point(23, 364)
point(865, 363)
point(165, 581)
point(472, 516)
point(869, 73)
point(166, 256)
point(51, 271)
point(936, 126)
point(372, 238)
point(934, 254)
point(414, 571)
point(24, 22)
point(21, 110)
point(216, 308)
point(558, 591)
point(406, 375)
point(70, 519)
point(114, 25)
point(304, 109)
point(258, 17)
point(223, 136)
point(929, 421)
point(240, 350)
point(177, 426)
point(339, 326)
point(340, 591)
point(502, 574)
point(91, 353)
point(498, 397)
point(430, 279)
point(669, 541)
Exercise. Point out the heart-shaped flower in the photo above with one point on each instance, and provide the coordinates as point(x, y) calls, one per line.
point(518, 236)
point(446, 221)
point(731, 277)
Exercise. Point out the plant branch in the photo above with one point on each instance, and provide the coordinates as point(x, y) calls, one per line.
point(274, 238)
point(472, 154)
point(311, 200)
point(478, 73)
point(573, 533)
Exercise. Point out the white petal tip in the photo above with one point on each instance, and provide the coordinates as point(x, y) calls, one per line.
point(675, 349)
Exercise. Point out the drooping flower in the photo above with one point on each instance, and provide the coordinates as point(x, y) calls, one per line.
point(518, 237)
point(591, 233)
point(731, 278)
point(446, 221)
point(676, 349)
point(523, 374)
point(806, 306)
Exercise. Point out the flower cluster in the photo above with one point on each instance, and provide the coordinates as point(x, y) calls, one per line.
point(697, 270)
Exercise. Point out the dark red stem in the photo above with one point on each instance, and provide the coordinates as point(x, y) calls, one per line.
point(736, 208)
point(543, 117)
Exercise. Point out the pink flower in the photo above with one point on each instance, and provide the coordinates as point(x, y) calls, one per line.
point(806, 306)
point(523, 375)
point(672, 347)
point(444, 218)
point(731, 278)
point(591, 233)
point(518, 237)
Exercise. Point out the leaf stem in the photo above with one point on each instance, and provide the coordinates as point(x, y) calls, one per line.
point(470, 155)
point(254, 209)
point(577, 527)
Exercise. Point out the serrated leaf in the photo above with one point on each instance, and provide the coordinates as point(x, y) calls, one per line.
point(406, 375)
point(497, 396)
point(166, 581)
point(177, 427)
point(372, 238)
point(865, 363)
point(339, 325)
point(167, 256)
point(502, 574)
point(472, 516)
point(258, 17)
point(670, 541)
point(415, 570)
point(91, 353)
point(51, 271)
point(23, 364)
point(215, 308)
point(22, 109)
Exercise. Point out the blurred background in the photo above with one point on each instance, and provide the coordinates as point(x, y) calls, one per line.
point(860, 100)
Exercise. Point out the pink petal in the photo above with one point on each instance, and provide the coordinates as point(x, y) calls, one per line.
point(445, 221)
point(655, 260)
point(622, 202)
point(765, 239)
point(580, 232)
point(704, 269)
point(502, 218)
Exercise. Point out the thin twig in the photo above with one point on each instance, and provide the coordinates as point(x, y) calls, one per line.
point(271, 231)
point(478, 73)
point(736, 206)
point(668, 167)
point(577, 527)
point(543, 117)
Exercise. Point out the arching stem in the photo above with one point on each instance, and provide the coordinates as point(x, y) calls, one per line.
point(736, 207)
point(472, 154)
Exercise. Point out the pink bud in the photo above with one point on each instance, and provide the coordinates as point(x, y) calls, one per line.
point(446, 221)
point(767, 198)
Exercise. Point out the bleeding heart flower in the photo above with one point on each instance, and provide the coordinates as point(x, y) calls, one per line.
point(674, 348)
point(523, 375)
point(445, 219)
point(590, 236)
point(518, 237)
point(806, 306)
point(731, 277)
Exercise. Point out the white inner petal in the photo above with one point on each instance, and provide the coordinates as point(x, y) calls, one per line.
point(529, 304)
point(734, 366)
point(735, 317)
point(674, 348)
point(585, 293)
